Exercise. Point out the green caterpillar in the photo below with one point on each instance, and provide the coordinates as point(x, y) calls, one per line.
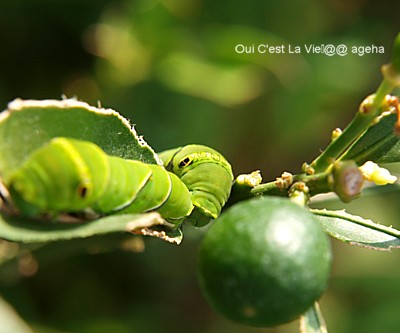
point(207, 175)
point(72, 176)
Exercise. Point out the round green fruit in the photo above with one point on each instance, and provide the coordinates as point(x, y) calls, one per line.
point(264, 262)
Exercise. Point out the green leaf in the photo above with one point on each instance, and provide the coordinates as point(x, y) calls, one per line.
point(313, 321)
point(28, 124)
point(21, 230)
point(357, 230)
point(379, 143)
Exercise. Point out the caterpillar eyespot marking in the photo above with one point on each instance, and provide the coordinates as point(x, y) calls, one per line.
point(207, 175)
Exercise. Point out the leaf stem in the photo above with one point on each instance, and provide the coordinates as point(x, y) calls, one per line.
point(320, 181)
point(360, 123)
point(269, 188)
point(317, 183)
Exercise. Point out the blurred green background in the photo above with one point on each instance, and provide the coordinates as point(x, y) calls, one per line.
point(171, 67)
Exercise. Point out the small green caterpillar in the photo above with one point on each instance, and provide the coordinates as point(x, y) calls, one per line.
point(71, 176)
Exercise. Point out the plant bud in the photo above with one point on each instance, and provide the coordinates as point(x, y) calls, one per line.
point(347, 180)
point(374, 173)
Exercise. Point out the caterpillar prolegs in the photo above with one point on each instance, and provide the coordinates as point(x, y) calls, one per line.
point(68, 176)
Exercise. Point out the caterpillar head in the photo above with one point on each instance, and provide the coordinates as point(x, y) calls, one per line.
point(207, 175)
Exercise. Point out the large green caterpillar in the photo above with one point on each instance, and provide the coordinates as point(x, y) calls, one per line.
point(71, 176)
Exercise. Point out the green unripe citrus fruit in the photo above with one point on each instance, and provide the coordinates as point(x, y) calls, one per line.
point(264, 262)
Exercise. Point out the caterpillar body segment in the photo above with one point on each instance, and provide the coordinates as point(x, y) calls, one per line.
point(69, 176)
